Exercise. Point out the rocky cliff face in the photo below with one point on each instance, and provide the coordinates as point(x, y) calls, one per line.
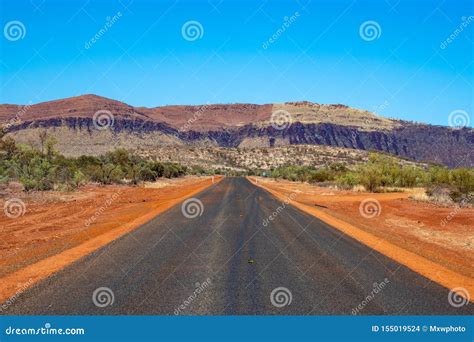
point(246, 126)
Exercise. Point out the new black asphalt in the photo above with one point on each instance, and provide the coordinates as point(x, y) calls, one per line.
point(229, 260)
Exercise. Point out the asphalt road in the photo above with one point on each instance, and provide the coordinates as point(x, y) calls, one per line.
point(227, 261)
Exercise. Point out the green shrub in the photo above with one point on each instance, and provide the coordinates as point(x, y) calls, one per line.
point(463, 180)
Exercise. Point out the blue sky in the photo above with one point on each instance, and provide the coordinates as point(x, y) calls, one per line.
point(408, 71)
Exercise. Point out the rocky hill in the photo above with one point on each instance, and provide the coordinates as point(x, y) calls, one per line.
point(90, 124)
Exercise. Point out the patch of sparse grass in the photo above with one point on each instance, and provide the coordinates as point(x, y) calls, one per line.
point(440, 199)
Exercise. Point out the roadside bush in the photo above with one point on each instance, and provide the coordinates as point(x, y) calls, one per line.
point(320, 175)
point(384, 171)
point(463, 180)
point(408, 177)
point(348, 180)
point(304, 173)
point(46, 169)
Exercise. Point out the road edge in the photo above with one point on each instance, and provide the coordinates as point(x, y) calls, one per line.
point(429, 269)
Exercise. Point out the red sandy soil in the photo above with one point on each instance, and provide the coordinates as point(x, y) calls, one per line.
point(54, 232)
point(403, 224)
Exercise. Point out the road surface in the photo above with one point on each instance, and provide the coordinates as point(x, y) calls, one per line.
point(229, 260)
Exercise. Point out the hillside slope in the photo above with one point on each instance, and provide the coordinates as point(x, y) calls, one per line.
point(73, 121)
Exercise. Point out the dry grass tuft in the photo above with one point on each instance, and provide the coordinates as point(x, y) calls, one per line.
point(440, 199)
point(358, 188)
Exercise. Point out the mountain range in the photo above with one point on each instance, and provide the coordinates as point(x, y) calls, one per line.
point(91, 124)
